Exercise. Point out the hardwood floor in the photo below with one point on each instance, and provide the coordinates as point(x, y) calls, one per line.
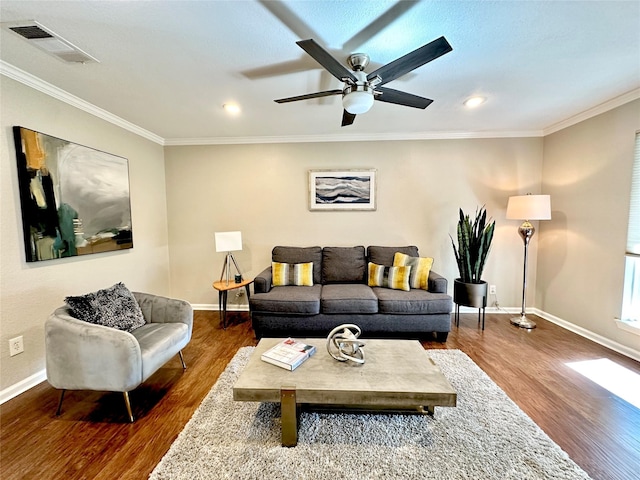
point(93, 440)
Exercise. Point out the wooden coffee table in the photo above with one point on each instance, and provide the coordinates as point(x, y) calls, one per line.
point(398, 375)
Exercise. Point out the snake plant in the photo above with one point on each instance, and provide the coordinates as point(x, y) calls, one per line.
point(474, 241)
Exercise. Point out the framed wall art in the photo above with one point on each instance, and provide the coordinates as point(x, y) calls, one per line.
point(342, 189)
point(74, 199)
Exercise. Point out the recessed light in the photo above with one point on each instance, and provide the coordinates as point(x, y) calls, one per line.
point(232, 108)
point(474, 102)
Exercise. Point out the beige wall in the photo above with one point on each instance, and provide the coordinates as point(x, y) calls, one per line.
point(29, 292)
point(262, 190)
point(587, 172)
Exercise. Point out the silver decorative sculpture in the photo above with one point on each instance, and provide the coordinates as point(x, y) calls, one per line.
point(343, 344)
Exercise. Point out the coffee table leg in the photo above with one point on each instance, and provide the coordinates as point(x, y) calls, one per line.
point(289, 416)
point(431, 409)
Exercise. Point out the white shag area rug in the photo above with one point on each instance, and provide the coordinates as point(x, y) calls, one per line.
point(485, 437)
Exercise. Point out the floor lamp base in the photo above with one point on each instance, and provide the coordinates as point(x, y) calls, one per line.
point(523, 322)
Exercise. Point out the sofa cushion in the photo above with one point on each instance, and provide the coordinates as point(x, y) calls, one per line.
point(396, 278)
point(348, 298)
point(420, 268)
point(384, 255)
point(343, 265)
point(413, 302)
point(288, 300)
point(114, 307)
point(300, 255)
point(300, 274)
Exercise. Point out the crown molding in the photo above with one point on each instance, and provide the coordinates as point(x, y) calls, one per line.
point(36, 83)
point(32, 81)
point(378, 137)
point(592, 112)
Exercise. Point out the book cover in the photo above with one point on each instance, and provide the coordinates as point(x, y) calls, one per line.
point(288, 354)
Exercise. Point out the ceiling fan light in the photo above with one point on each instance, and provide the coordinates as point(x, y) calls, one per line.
point(357, 102)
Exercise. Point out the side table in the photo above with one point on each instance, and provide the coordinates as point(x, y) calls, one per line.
point(223, 289)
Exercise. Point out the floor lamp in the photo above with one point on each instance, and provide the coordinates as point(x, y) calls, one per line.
point(228, 242)
point(527, 207)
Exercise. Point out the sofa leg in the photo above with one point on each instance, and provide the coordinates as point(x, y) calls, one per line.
point(128, 405)
point(60, 403)
point(184, 366)
point(442, 336)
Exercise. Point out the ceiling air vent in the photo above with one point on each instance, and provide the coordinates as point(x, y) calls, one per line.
point(45, 39)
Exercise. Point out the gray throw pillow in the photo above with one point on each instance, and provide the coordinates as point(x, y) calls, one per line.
point(384, 255)
point(114, 307)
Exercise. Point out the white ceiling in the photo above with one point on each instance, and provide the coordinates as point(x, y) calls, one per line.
point(169, 66)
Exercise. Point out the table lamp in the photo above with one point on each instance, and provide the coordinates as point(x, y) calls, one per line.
point(527, 207)
point(228, 242)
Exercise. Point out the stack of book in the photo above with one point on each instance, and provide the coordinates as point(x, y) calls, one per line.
point(288, 354)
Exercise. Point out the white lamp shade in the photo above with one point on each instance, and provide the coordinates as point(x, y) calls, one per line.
point(357, 102)
point(529, 207)
point(228, 241)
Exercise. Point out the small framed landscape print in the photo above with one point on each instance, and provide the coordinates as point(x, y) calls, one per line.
point(342, 189)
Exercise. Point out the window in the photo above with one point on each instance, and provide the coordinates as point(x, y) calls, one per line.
point(631, 298)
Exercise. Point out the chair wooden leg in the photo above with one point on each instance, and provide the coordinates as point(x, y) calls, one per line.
point(128, 405)
point(60, 403)
point(184, 366)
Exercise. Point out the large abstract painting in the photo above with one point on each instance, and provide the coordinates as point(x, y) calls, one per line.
point(342, 189)
point(75, 199)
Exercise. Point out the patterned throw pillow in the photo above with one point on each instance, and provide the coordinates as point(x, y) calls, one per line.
point(114, 307)
point(396, 278)
point(300, 274)
point(420, 268)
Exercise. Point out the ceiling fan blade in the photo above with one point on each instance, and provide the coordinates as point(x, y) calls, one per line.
point(379, 24)
point(289, 19)
point(326, 82)
point(390, 95)
point(411, 61)
point(303, 64)
point(309, 96)
point(300, 29)
point(324, 58)
point(347, 118)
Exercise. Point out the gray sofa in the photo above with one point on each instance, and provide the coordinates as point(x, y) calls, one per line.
point(340, 294)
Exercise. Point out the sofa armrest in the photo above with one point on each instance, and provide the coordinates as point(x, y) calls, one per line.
point(84, 356)
point(437, 283)
point(157, 309)
point(263, 281)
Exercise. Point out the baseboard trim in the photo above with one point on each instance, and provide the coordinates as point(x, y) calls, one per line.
point(39, 377)
point(214, 307)
point(513, 310)
point(22, 386)
point(594, 337)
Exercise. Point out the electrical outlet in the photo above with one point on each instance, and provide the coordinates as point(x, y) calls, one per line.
point(492, 289)
point(16, 346)
point(240, 293)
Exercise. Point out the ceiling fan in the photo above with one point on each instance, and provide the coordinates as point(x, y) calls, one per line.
point(361, 89)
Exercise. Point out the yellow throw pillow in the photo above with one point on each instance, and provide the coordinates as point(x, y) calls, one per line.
point(420, 268)
point(300, 274)
point(396, 278)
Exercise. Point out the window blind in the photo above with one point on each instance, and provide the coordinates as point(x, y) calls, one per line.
point(633, 235)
